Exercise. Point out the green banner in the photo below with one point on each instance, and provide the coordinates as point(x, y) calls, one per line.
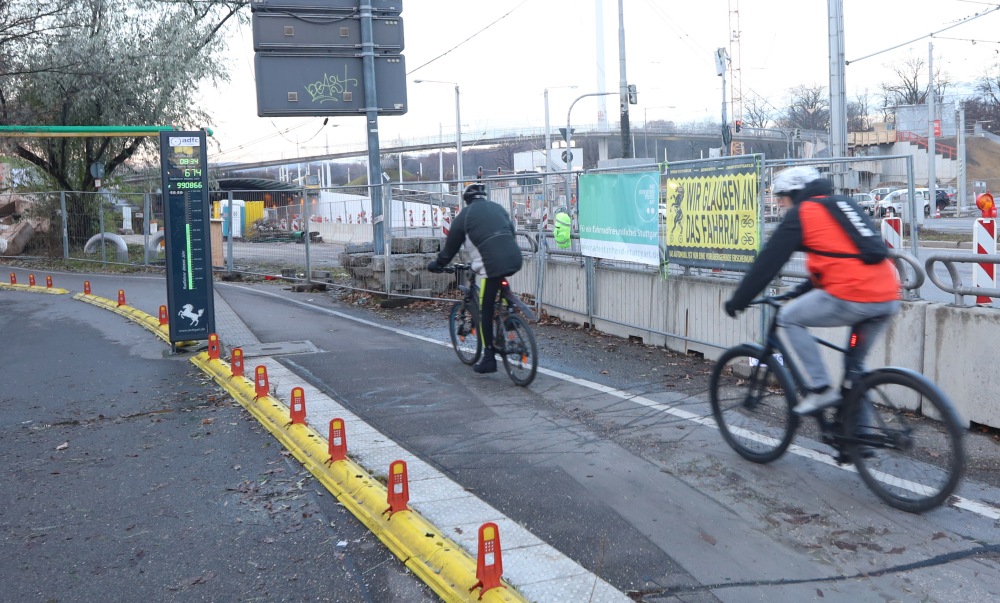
point(619, 216)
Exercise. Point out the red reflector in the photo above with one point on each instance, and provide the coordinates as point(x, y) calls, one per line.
point(854, 339)
point(504, 283)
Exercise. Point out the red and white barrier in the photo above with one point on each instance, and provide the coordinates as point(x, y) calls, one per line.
point(297, 410)
point(892, 232)
point(984, 241)
point(399, 488)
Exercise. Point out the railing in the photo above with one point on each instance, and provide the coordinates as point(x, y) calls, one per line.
point(921, 141)
point(957, 287)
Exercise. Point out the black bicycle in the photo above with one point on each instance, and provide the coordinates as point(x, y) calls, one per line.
point(898, 428)
point(513, 337)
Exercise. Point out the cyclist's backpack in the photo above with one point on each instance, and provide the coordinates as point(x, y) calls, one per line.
point(858, 226)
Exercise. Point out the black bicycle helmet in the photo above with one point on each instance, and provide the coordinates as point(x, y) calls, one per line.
point(473, 192)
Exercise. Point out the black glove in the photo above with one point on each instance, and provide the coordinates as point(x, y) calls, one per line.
point(433, 266)
point(731, 309)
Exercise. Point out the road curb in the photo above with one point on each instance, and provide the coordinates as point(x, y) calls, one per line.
point(437, 560)
point(34, 289)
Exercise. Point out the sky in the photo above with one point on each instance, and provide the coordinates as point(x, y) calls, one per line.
point(505, 53)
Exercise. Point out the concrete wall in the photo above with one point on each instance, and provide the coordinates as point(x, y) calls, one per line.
point(953, 346)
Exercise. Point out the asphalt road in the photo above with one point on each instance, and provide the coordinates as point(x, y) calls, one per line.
point(129, 477)
point(607, 457)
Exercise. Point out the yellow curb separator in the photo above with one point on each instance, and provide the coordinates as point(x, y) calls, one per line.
point(434, 558)
point(151, 323)
point(34, 289)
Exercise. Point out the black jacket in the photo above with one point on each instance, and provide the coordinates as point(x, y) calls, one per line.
point(488, 227)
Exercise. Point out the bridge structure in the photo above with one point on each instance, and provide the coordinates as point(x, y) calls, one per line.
point(490, 137)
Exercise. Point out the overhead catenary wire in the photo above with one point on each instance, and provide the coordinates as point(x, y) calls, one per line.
point(456, 46)
point(994, 9)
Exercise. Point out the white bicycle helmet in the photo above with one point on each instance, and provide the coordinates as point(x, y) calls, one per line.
point(793, 179)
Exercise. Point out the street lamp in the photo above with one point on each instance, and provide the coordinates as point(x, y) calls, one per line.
point(548, 129)
point(569, 136)
point(458, 126)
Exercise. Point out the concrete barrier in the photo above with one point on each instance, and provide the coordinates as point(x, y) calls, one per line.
point(953, 346)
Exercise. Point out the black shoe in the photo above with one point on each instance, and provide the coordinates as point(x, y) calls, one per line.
point(488, 364)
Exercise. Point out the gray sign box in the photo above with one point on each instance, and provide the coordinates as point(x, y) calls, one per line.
point(378, 6)
point(293, 84)
point(295, 32)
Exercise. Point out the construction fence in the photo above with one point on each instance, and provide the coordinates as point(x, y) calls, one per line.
point(327, 235)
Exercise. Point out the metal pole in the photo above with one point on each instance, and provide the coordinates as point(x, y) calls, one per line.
point(146, 206)
point(371, 115)
point(458, 139)
point(627, 151)
point(305, 223)
point(838, 102)
point(569, 137)
point(931, 148)
point(100, 219)
point(65, 224)
point(229, 229)
point(961, 161)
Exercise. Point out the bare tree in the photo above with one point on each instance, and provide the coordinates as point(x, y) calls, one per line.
point(859, 118)
point(107, 62)
point(906, 88)
point(808, 108)
point(757, 112)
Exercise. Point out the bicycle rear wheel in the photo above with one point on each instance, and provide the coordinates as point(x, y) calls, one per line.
point(464, 336)
point(905, 439)
point(752, 400)
point(519, 350)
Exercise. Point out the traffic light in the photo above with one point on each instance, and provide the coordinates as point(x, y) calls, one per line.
point(739, 125)
point(633, 96)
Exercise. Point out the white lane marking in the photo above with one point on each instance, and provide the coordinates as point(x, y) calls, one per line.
point(979, 508)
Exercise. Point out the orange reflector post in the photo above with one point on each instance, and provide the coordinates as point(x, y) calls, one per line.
point(48, 282)
point(399, 488)
point(298, 409)
point(338, 441)
point(489, 563)
point(13, 278)
point(86, 287)
point(260, 385)
point(164, 319)
point(121, 297)
point(236, 362)
point(213, 346)
point(31, 280)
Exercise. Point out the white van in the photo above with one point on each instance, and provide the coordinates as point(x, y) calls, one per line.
point(892, 204)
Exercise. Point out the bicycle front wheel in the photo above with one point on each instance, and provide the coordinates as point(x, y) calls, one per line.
point(464, 336)
point(752, 399)
point(519, 350)
point(905, 438)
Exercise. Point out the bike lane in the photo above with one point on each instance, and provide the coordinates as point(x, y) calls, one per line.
point(633, 485)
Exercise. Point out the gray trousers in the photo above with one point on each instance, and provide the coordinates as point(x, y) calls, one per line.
point(817, 308)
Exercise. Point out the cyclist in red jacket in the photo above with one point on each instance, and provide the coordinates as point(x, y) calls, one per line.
point(846, 287)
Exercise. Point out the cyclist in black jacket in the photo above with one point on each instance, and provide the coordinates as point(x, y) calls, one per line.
point(488, 234)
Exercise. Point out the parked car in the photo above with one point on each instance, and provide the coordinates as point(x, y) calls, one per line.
point(866, 201)
point(892, 204)
point(880, 192)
